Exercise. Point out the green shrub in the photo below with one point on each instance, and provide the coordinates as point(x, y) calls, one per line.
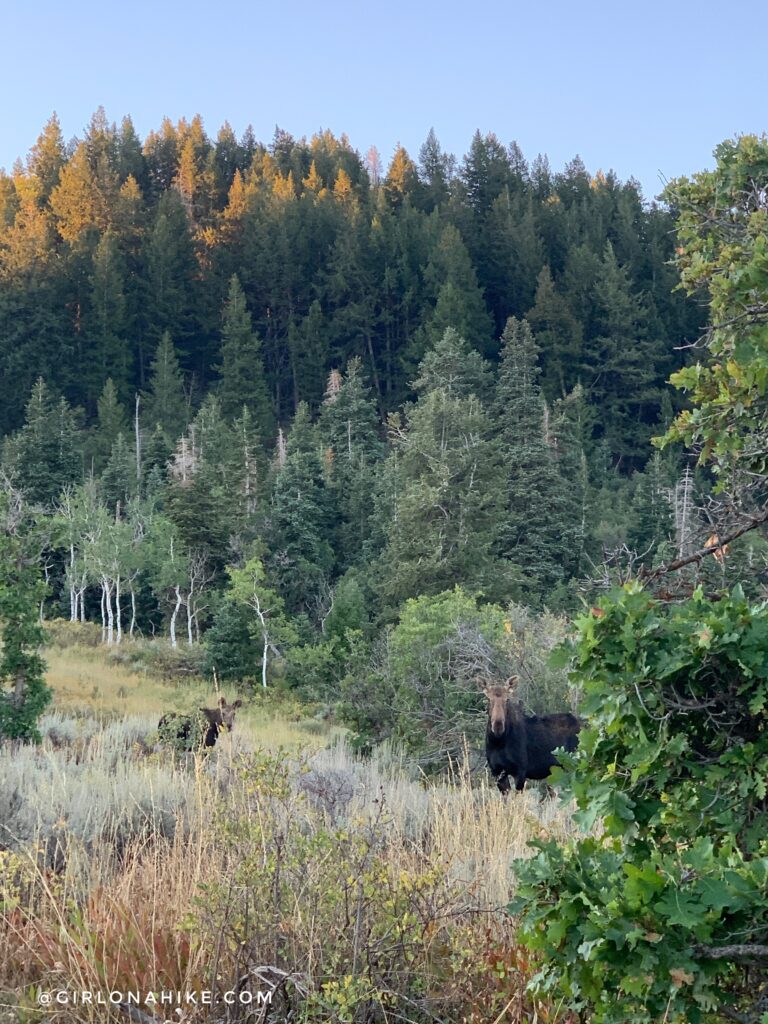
point(422, 689)
point(664, 914)
point(63, 634)
point(158, 658)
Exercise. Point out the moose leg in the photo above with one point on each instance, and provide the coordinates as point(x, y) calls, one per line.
point(519, 781)
point(502, 781)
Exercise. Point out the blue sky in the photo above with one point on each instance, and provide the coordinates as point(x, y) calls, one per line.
point(647, 89)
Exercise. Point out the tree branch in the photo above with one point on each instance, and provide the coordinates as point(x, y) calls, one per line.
point(709, 549)
point(749, 953)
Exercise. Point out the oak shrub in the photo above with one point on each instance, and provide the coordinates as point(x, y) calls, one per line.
point(636, 917)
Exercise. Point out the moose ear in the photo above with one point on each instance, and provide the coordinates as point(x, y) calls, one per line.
point(222, 702)
point(237, 704)
point(512, 682)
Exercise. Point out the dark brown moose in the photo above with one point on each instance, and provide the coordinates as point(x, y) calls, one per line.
point(182, 732)
point(519, 746)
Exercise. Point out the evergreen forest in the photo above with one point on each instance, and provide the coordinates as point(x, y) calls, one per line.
point(265, 394)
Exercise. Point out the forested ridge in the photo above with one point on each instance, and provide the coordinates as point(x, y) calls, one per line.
point(355, 385)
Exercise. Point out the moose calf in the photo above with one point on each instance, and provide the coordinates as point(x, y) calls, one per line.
point(187, 732)
point(520, 746)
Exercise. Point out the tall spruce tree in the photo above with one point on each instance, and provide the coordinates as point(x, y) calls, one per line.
point(624, 364)
point(46, 451)
point(111, 421)
point(108, 353)
point(535, 534)
point(350, 433)
point(165, 402)
point(118, 481)
point(241, 369)
point(448, 503)
point(298, 520)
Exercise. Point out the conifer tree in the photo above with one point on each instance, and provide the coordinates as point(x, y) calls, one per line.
point(47, 157)
point(352, 450)
point(458, 298)
point(436, 169)
point(23, 690)
point(624, 364)
point(652, 524)
point(111, 421)
point(118, 481)
point(107, 354)
point(46, 451)
point(165, 402)
point(298, 520)
point(171, 270)
point(536, 534)
point(559, 336)
point(242, 367)
point(402, 178)
point(448, 503)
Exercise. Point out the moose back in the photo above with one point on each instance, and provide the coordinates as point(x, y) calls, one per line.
point(519, 746)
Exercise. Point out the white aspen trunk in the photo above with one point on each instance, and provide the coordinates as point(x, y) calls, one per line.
point(72, 587)
point(177, 591)
point(133, 613)
point(138, 440)
point(119, 611)
point(190, 605)
point(80, 595)
point(103, 613)
point(42, 599)
point(265, 650)
point(107, 584)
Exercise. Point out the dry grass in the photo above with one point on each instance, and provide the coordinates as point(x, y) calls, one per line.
point(83, 682)
point(127, 869)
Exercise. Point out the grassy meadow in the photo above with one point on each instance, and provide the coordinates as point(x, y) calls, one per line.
point(340, 888)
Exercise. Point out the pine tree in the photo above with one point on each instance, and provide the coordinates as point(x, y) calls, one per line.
point(652, 524)
point(165, 402)
point(444, 524)
point(118, 481)
point(21, 633)
point(107, 353)
point(46, 451)
point(349, 430)
point(47, 157)
point(242, 367)
point(559, 336)
point(436, 169)
point(111, 421)
point(171, 271)
point(298, 520)
point(536, 534)
point(624, 364)
point(459, 301)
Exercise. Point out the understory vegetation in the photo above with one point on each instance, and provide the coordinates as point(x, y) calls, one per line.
point(348, 889)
